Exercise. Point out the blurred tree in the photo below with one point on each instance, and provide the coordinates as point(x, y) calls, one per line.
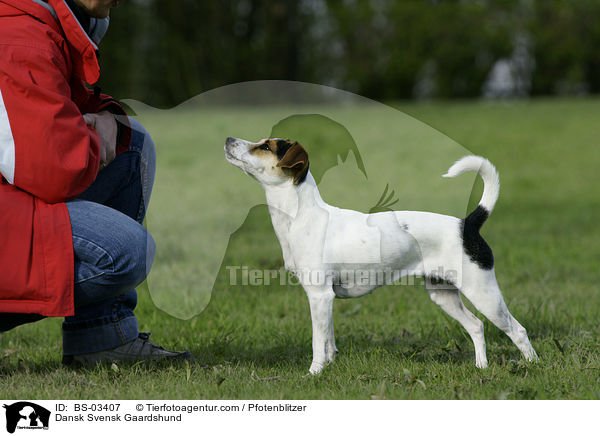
point(166, 52)
point(567, 37)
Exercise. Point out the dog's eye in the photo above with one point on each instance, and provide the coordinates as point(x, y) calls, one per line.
point(265, 146)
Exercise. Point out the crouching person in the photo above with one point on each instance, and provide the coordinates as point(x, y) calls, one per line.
point(76, 178)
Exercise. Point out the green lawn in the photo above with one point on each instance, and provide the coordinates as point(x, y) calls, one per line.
point(254, 341)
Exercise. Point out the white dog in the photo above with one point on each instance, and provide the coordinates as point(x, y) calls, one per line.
point(338, 253)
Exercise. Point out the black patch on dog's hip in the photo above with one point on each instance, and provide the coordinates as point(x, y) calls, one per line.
point(475, 246)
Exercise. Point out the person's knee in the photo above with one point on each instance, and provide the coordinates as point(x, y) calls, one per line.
point(145, 252)
point(137, 257)
point(150, 252)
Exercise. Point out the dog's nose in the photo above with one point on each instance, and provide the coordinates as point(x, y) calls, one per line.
point(230, 140)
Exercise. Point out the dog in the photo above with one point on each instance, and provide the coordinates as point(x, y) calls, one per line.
point(322, 243)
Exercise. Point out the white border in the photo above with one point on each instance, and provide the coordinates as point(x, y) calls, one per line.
point(447, 418)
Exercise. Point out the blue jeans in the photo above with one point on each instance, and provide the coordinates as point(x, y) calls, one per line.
point(113, 252)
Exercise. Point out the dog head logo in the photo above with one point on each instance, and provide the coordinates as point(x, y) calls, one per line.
point(329, 141)
point(26, 415)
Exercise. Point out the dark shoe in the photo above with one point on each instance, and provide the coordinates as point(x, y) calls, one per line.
point(138, 350)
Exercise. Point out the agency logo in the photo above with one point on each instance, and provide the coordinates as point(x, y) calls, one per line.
point(26, 415)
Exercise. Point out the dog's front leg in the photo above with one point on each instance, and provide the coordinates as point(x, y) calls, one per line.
point(321, 312)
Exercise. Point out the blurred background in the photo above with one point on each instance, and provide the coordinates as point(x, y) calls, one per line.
point(164, 52)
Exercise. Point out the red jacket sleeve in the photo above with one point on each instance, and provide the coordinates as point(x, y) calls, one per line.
point(56, 156)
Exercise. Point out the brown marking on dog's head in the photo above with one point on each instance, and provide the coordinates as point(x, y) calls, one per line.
point(294, 159)
point(291, 157)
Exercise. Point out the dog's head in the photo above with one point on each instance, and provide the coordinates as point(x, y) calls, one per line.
point(270, 161)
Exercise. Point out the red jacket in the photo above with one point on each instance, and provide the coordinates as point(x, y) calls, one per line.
point(47, 153)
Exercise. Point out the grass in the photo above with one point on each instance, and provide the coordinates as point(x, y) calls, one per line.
point(254, 341)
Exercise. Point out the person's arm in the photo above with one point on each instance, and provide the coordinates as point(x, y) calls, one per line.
point(92, 101)
point(55, 154)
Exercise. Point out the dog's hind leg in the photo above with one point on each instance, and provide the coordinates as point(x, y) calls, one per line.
point(481, 288)
point(449, 300)
point(321, 312)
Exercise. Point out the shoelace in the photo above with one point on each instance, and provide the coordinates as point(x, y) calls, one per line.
point(145, 337)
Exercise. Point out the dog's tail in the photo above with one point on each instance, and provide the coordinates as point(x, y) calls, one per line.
point(491, 184)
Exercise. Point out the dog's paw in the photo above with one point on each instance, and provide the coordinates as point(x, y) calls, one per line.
point(330, 354)
point(531, 356)
point(316, 368)
point(481, 363)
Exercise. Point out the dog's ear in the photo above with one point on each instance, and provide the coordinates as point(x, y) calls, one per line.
point(296, 160)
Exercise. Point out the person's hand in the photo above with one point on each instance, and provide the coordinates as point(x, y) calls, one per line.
point(105, 124)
